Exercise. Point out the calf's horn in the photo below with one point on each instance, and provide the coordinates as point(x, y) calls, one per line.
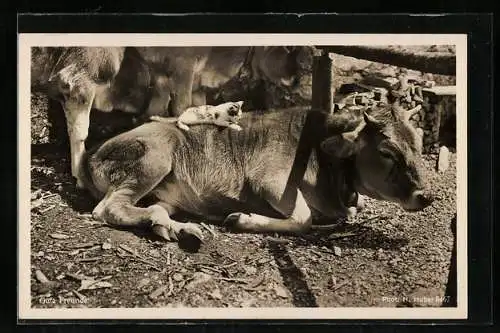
point(410, 113)
point(407, 114)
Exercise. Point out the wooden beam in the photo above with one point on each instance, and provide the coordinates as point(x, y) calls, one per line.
point(428, 62)
point(441, 90)
point(323, 89)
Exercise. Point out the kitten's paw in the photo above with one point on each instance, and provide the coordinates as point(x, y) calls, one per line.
point(235, 127)
point(183, 126)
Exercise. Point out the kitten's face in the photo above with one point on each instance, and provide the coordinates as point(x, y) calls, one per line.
point(230, 111)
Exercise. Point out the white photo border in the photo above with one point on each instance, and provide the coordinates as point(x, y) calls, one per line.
point(28, 40)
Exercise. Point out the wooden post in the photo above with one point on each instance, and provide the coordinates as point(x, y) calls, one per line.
point(435, 101)
point(323, 89)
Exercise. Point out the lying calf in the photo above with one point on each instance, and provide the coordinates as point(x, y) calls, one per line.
point(268, 177)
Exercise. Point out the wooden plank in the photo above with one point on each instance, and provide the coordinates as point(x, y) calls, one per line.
point(428, 62)
point(441, 90)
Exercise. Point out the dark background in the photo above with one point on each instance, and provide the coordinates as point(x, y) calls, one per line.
point(480, 93)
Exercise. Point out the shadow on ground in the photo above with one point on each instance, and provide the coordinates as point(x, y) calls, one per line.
point(293, 278)
point(360, 236)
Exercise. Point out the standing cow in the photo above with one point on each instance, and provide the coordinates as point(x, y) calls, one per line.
point(147, 80)
point(269, 177)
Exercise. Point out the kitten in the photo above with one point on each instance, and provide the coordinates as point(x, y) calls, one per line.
point(226, 115)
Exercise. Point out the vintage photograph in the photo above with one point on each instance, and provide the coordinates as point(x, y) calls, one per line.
point(187, 178)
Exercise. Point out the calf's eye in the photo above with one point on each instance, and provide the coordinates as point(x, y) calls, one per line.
point(385, 154)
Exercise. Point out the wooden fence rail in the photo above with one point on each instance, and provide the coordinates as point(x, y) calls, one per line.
point(429, 62)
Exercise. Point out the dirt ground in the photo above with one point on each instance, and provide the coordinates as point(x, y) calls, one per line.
point(375, 260)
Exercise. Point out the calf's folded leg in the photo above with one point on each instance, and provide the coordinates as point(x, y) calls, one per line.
point(117, 209)
point(298, 221)
point(132, 168)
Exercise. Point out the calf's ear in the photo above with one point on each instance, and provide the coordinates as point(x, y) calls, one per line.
point(343, 145)
point(239, 103)
point(372, 122)
point(338, 147)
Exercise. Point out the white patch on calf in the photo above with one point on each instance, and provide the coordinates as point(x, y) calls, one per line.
point(299, 221)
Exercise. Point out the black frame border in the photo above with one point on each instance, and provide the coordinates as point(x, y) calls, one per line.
point(478, 27)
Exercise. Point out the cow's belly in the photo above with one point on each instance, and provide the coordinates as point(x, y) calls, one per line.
point(190, 199)
point(213, 198)
point(171, 193)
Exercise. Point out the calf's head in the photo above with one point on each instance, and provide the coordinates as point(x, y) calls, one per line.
point(386, 151)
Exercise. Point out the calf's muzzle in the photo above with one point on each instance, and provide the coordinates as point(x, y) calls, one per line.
point(418, 200)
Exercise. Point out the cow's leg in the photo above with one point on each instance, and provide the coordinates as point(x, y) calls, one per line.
point(199, 98)
point(159, 103)
point(182, 92)
point(77, 111)
point(298, 221)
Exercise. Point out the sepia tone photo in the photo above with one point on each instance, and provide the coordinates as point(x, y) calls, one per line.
point(293, 176)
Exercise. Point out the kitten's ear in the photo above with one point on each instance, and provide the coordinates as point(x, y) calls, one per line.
point(240, 103)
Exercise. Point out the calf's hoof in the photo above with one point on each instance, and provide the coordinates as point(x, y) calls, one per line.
point(189, 238)
point(189, 242)
point(232, 220)
point(241, 222)
point(161, 231)
point(177, 231)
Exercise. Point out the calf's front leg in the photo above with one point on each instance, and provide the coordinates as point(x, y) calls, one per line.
point(117, 209)
point(299, 220)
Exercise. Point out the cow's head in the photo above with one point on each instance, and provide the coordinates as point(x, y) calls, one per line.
point(386, 151)
point(288, 66)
